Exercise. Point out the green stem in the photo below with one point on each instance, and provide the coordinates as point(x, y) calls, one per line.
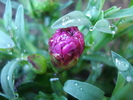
point(119, 84)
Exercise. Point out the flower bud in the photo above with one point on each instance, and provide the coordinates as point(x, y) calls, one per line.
point(38, 62)
point(65, 47)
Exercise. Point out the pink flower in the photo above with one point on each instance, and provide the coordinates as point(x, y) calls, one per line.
point(65, 47)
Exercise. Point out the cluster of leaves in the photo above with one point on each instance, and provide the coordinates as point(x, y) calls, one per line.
point(98, 75)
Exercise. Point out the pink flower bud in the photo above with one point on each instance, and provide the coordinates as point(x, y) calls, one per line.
point(65, 47)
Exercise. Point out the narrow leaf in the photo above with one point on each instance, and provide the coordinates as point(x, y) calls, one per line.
point(121, 13)
point(5, 41)
point(94, 8)
point(104, 26)
point(99, 57)
point(66, 4)
point(8, 15)
point(124, 67)
point(75, 18)
point(7, 79)
point(19, 27)
point(111, 10)
point(83, 90)
point(121, 63)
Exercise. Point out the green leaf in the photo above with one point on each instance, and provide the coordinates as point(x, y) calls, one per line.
point(3, 96)
point(66, 5)
point(125, 93)
point(104, 26)
point(111, 10)
point(83, 90)
point(120, 13)
point(79, 5)
point(56, 86)
point(123, 66)
point(124, 26)
point(7, 79)
point(121, 63)
point(94, 8)
point(119, 84)
point(8, 15)
point(5, 41)
point(99, 57)
point(43, 96)
point(95, 72)
point(13, 3)
point(58, 97)
point(20, 27)
point(75, 18)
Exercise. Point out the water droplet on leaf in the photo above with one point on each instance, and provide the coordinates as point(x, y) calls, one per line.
point(22, 56)
point(24, 51)
point(81, 88)
point(15, 27)
point(113, 28)
point(66, 20)
point(91, 28)
point(123, 66)
point(129, 78)
point(8, 45)
point(54, 79)
point(7, 77)
point(16, 95)
point(76, 84)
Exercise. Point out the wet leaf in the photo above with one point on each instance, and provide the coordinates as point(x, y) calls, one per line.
point(104, 26)
point(121, 13)
point(5, 41)
point(123, 66)
point(7, 78)
point(20, 27)
point(8, 15)
point(83, 90)
point(75, 18)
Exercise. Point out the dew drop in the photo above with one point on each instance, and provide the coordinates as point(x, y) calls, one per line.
point(91, 28)
point(129, 78)
point(88, 14)
point(54, 79)
point(79, 20)
point(113, 28)
point(66, 20)
point(24, 51)
point(17, 58)
point(7, 77)
point(22, 56)
point(123, 66)
point(76, 84)
point(15, 27)
point(8, 45)
point(16, 95)
point(81, 88)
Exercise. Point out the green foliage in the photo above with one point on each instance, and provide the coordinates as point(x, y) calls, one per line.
point(76, 18)
point(82, 90)
point(26, 70)
point(5, 41)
